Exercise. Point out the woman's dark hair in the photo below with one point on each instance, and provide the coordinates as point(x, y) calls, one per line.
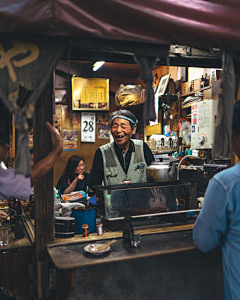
point(236, 117)
point(72, 163)
point(126, 113)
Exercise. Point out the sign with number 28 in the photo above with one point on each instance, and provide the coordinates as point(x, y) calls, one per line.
point(88, 124)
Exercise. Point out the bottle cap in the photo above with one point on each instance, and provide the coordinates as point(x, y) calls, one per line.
point(84, 225)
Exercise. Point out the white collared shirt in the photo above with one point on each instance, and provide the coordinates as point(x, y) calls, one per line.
point(14, 185)
point(2, 165)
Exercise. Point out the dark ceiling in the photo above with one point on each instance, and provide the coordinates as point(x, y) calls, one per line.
point(118, 69)
point(119, 56)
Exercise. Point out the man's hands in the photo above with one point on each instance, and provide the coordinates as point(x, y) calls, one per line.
point(3, 215)
point(43, 166)
point(57, 143)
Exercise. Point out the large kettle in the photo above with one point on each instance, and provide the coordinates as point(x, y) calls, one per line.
point(163, 171)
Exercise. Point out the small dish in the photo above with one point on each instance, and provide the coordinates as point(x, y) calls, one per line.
point(93, 249)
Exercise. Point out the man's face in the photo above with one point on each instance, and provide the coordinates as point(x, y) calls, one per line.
point(4, 152)
point(122, 132)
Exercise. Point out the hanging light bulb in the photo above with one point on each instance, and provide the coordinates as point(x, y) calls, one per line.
point(98, 65)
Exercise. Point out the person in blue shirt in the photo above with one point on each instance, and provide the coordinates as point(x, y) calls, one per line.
point(17, 185)
point(219, 220)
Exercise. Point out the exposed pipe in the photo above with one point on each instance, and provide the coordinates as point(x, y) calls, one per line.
point(179, 164)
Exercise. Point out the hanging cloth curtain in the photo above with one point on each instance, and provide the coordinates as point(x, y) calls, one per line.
point(26, 64)
point(147, 64)
point(222, 138)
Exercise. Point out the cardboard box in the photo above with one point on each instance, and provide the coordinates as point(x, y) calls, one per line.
point(207, 94)
point(196, 84)
point(185, 88)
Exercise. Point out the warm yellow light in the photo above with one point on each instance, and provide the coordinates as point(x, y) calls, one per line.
point(98, 65)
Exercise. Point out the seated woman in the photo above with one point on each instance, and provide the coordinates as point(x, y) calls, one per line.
point(74, 178)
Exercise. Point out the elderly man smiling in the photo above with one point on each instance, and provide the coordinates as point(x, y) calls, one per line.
point(125, 159)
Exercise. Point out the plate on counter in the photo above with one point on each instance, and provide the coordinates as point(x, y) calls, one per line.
point(93, 249)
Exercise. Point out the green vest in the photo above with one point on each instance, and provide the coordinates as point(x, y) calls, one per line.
point(113, 171)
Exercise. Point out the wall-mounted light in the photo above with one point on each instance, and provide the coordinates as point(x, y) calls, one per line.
point(98, 65)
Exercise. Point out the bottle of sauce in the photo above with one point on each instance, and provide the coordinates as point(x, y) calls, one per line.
point(202, 82)
point(19, 227)
point(15, 208)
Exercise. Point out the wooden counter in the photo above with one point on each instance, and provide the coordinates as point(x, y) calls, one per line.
point(167, 265)
point(16, 244)
point(154, 241)
point(15, 259)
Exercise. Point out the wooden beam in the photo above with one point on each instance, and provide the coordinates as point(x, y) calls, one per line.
point(43, 190)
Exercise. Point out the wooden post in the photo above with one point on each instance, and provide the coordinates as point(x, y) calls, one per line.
point(43, 191)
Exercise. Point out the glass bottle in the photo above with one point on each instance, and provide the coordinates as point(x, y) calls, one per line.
point(12, 211)
point(15, 204)
point(128, 233)
point(202, 82)
point(19, 227)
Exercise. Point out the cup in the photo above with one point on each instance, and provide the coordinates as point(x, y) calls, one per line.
point(5, 236)
point(2, 204)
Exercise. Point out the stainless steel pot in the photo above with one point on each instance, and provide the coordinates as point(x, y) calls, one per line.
point(164, 171)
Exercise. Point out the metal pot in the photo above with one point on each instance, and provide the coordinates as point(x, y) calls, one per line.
point(164, 171)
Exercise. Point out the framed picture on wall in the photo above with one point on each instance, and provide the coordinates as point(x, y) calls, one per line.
point(61, 96)
point(90, 94)
point(163, 85)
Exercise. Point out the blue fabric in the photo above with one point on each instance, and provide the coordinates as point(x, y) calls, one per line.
point(219, 224)
point(93, 200)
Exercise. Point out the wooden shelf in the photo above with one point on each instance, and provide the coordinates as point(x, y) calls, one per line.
point(193, 92)
point(187, 105)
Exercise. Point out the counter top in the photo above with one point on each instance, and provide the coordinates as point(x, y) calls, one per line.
point(19, 244)
point(156, 242)
point(15, 244)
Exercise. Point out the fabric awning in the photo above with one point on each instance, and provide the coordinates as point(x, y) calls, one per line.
point(198, 23)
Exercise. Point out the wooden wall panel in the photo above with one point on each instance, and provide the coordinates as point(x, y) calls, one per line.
point(87, 150)
point(14, 273)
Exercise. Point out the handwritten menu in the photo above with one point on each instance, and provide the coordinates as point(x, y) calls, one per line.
point(90, 93)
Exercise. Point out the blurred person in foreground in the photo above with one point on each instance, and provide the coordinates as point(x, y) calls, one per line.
point(17, 185)
point(125, 160)
point(219, 220)
point(4, 150)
